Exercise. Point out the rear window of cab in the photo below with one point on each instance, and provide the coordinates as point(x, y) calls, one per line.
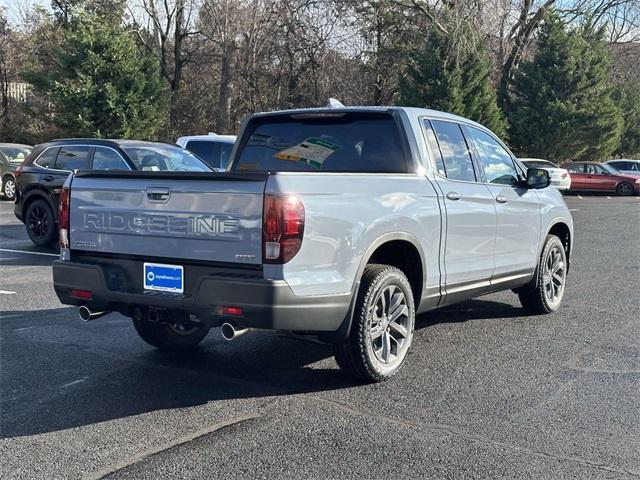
point(326, 142)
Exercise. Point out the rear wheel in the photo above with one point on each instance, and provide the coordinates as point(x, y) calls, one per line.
point(178, 334)
point(382, 328)
point(545, 292)
point(624, 188)
point(9, 188)
point(40, 223)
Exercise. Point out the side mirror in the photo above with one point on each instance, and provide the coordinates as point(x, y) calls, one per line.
point(538, 178)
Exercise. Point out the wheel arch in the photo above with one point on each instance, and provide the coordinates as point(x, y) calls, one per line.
point(379, 251)
point(561, 229)
point(402, 251)
point(38, 193)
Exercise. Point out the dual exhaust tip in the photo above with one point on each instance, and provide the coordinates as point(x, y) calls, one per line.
point(229, 330)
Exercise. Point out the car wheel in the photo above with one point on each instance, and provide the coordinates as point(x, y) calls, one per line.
point(545, 292)
point(178, 334)
point(382, 328)
point(40, 223)
point(9, 188)
point(624, 188)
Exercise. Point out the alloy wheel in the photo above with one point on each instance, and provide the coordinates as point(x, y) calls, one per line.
point(625, 189)
point(38, 222)
point(554, 275)
point(389, 327)
point(10, 189)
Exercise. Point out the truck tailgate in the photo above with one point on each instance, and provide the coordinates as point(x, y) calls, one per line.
point(204, 217)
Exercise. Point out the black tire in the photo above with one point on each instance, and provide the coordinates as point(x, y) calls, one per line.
point(180, 334)
point(624, 188)
point(9, 188)
point(356, 355)
point(539, 297)
point(41, 223)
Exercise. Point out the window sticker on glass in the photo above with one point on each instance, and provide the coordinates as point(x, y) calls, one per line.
point(312, 151)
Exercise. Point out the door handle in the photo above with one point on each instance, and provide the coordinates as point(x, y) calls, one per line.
point(160, 194)
point(501, 199)
point(453, 196)
point(49, 178)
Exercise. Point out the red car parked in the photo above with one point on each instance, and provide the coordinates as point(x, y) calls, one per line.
point(599, 177)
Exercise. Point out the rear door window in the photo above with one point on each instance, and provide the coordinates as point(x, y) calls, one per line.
point(204, 150)
point(455, 151)
point(214, 154)
point(72, 158)
point(340, 142)
point(496, 162)
point(108, 159)
point(47, 159)
point(575, 168)
point(434, 148)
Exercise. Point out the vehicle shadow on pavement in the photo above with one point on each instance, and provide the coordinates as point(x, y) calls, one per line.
point(476, 309)
point(58, 373)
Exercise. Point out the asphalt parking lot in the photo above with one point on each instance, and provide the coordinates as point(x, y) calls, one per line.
point(487, 392)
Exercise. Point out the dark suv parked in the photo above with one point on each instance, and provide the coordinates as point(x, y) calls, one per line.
point(40, 178)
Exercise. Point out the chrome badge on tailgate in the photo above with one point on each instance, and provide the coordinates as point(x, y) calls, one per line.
point(165, 224)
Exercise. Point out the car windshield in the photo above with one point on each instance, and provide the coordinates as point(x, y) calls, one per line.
point(15, 153)
point(610, 169)
point(159, 157)
point(539, 164)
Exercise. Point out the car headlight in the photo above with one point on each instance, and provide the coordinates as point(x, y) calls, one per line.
point(638, 180)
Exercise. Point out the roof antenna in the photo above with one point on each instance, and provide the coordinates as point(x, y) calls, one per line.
point(333, 103)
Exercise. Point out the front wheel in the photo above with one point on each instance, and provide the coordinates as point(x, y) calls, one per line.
point(624, 188)
point(382, 328)
point(178, 334)
point(545, 292)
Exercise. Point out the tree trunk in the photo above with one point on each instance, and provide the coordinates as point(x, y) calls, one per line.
point(225, 92)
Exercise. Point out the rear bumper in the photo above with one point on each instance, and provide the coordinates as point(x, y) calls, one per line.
point(562, 184)
point(266, 304)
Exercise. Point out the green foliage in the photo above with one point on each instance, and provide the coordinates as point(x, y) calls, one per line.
point(443, 77)
point(561, 106)
point(627, 96)
point(101, 83)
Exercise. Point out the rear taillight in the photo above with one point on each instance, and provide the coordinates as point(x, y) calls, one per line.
point(564, 175)
point(282, 228)
point(63, 219)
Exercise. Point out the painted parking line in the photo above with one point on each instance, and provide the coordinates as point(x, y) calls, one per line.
point(7, 292)
point(29, 253)
point(574, 209)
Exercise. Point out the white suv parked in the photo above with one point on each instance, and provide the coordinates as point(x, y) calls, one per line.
point(626, 166)
point(213, 149)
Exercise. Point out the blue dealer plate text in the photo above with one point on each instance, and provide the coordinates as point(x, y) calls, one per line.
point(166, 278)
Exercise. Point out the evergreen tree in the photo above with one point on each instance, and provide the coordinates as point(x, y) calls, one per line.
point(442, 77)
point(102, 84)
point(627, 96)
point(561, 106)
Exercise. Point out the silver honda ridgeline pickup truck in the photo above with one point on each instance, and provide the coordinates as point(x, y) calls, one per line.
point(341, 223)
